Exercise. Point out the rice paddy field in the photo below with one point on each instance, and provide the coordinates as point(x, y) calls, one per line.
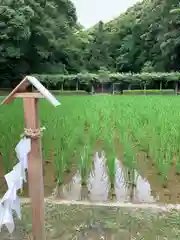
point(112, 149)
point(103, 148)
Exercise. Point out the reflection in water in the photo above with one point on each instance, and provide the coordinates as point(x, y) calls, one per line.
point(129, 185)
point(98, 182)
point(143, 191)
point(72, 191)
point(121, 183)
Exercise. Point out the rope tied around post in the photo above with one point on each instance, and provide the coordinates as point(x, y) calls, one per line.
point(33, 133)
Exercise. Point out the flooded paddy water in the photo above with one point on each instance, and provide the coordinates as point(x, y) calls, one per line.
point(134, 189)
point(91, 222)
point(140, 185)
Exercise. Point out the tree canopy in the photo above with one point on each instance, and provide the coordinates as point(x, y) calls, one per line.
point(44, 37)
point(147, 34)
point(36, 36)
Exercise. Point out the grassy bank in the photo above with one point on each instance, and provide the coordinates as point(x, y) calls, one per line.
point(121, 126)
point(83, 222)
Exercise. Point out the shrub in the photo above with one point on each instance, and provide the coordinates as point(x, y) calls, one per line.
point(90, 80)
point(149, 92)
point(64, 93)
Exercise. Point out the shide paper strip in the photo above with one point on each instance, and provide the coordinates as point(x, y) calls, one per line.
point(14, 179)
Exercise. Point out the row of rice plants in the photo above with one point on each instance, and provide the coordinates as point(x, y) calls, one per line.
point(74, 129)
point(155, 127)
point(11, 127)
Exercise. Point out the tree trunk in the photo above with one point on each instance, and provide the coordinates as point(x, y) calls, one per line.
point(113, 88)
point(92, 89)
point(62, 87)
point(77, 86)
point(145, 89)
point(161, 86)
point(102, 88)
point(176, 89)
point(129, 87)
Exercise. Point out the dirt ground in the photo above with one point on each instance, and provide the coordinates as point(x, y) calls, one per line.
point(78, 222)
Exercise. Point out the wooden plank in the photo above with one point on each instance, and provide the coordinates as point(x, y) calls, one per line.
point(28, 95)
point(35, 171)
point(21, 87)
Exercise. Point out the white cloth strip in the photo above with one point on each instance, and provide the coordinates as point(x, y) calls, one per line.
point(14, 179)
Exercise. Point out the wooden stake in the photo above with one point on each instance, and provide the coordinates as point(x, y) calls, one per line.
point(35, 171)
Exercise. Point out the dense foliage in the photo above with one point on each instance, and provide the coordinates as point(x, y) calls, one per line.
point(111, 81)
point(145, 38)
point(110, 77)
point(36, 37)
point(44, 37)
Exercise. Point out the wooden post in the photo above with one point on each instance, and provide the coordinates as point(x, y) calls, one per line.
point(35, 167)
point(35, 171)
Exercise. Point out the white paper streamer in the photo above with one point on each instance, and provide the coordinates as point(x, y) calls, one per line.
point(11, 202)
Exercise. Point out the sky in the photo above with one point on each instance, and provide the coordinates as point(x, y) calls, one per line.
point(92, 11)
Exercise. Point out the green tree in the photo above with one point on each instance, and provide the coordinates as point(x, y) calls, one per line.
point(36, 37)
point(98, 54)
point(147, 32)
point(103, 76)
point(15, 18)
point(148, 67)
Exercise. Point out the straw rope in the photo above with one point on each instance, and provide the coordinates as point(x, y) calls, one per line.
point(33, 133)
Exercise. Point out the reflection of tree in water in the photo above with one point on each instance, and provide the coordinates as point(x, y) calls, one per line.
point(129, 185)
point(131, 181)
point(98, 183)
point(84, 192)
point(123, 179)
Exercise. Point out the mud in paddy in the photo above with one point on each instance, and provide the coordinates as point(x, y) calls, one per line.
point(141, 185)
